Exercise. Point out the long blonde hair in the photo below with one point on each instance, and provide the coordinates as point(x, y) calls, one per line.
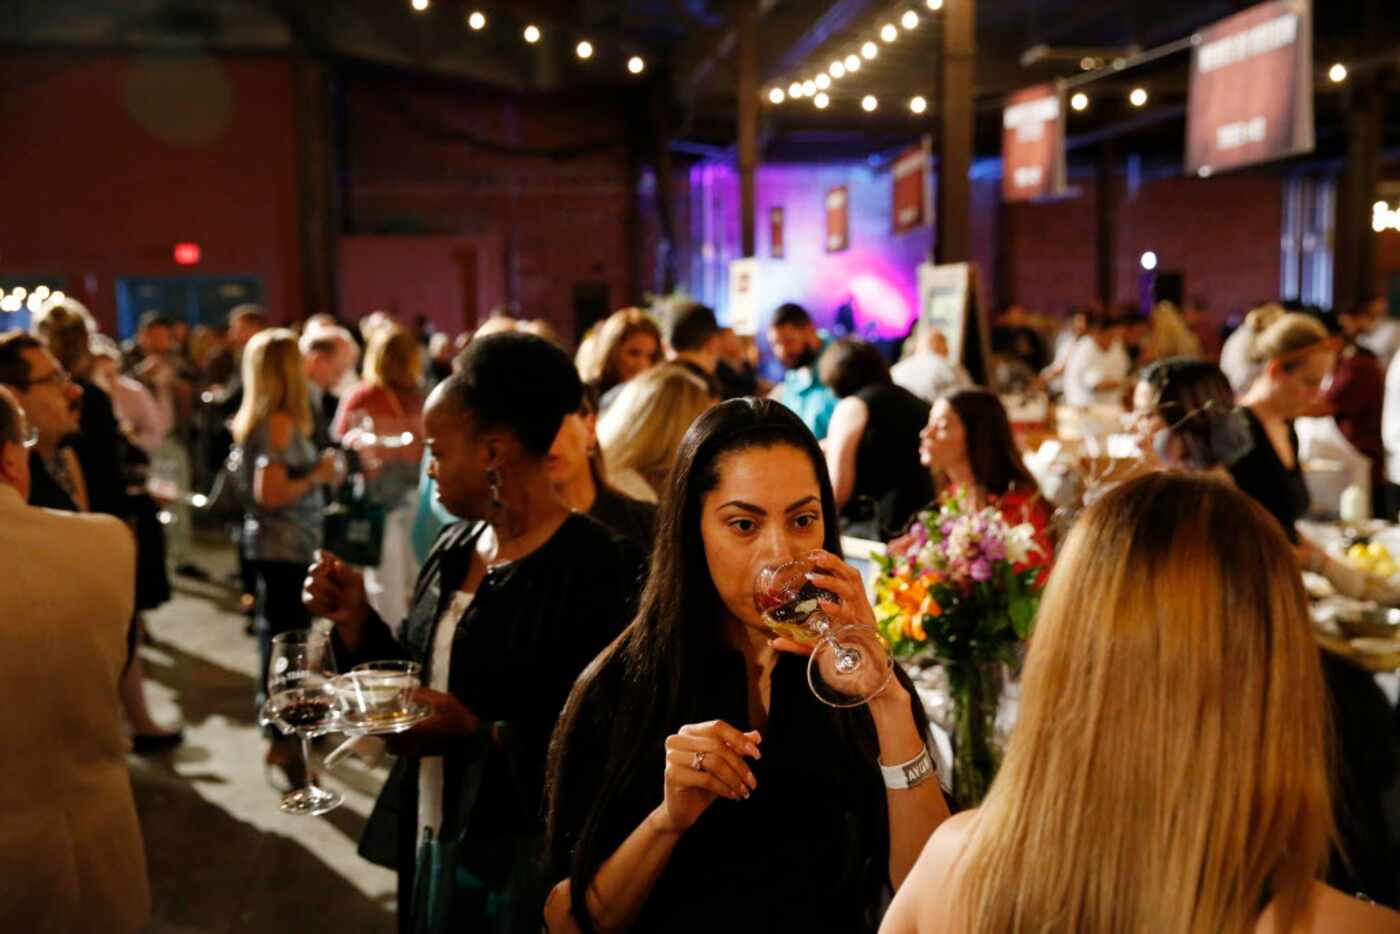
point(393, 360)
point(643, 429)
point(273, 381)
point(1168, 769)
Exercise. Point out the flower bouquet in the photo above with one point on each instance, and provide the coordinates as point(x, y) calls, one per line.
point(962, 588)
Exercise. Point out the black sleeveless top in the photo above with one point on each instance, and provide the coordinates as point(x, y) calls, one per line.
point(890, 484)
point(1262, 475)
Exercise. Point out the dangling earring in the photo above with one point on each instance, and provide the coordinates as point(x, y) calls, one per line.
point(493, 477)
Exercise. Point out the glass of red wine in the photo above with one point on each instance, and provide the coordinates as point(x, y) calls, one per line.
point(300, 700)
point(849, 665)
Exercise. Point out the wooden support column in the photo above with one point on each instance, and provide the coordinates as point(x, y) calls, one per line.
point(1356, 242)
point(1106, 225)
point(957, 72)
point(746, 30)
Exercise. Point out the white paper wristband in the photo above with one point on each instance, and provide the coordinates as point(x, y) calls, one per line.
point(909, 775)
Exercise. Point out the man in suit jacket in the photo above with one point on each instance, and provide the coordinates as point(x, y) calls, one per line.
point(71, 855)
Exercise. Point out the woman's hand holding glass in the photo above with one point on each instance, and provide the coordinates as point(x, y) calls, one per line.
point(441, 733)
point(705, 761)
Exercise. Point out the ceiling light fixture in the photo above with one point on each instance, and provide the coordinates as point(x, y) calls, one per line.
point(869, 50)
point(888, 32)
point(1138, 97)
point(869, 103)
point(1338, 73)
point(918, 105)
point(1080, 101)
point(636, 65)
point(910, 20)
point(821, 100)
point(777, 96)
point(532, 34)
point(477, 20)
point(584, 49)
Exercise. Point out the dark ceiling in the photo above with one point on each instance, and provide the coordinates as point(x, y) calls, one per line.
point(690, 44)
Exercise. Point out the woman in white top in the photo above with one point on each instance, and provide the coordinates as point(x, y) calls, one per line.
point(642, 431)
point(1097, 370)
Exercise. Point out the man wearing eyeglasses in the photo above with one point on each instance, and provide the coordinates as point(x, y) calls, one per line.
point(53, 403)
point(71, 853)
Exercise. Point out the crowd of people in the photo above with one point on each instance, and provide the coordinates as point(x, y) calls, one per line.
point(567, 544)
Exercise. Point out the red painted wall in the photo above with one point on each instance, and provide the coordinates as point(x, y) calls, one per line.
point(1223, 234)
point(562, 218)
point(455, 281)
point(112, 159)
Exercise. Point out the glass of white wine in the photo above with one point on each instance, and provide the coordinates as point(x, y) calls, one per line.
point(300, 670)
point(849, 664)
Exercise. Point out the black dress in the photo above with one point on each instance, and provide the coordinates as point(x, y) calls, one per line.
point(891, 484)
point(530, 629)
point(631, 518)
point(809, 851)
point(1279, 489)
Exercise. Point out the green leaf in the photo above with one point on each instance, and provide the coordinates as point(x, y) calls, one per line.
point(1022, 611)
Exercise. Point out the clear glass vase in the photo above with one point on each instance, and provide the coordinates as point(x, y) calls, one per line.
point(975, 690)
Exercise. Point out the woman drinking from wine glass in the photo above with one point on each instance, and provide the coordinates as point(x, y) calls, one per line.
point(509, 607)
point(1169, 772)
point(695, 777)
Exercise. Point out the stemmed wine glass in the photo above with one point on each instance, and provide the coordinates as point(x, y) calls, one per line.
point(849, 664)
point(301, 701)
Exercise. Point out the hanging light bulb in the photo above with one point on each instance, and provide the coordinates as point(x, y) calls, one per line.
point(1080, 101)
point(1337, 73)
point(837, 70)
point(910, 20)
point(823, 81)
point(584, 49)
point(1138, 97)
point(869, 50)
point(532, 34)
point(809, 87)
point(795, 89)
point(852, 63)
point(888, 32)
point(934, 5)
point(420, 5)
point(918, 104)
point(477, 20)
point(869, 103)
point(636, 65)
point(777, 96)
point(821, 100)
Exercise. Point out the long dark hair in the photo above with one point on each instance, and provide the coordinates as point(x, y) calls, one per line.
point(650, 676)
point(991, 448)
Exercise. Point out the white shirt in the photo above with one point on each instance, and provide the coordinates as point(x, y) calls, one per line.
point(1089, 365)
point(1390, 421)
point(439, 667)
point(929, 376)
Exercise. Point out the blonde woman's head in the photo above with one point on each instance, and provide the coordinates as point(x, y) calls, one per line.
point(393, 360)
point(1297, 353)
point(627, 344)
point(67, 327)
point(643, 429)
point(1168, 768)
point(273, 381)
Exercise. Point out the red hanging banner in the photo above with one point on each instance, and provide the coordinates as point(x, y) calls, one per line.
point(1251, 97)
point(911, 207)
point(838, 219)
point(775, 233)
point(1033, 144)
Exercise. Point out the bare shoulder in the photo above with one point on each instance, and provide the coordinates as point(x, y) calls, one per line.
point(1332, 912)
point(850, 414)
point(922, 902)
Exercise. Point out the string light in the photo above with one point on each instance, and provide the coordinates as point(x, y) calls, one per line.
point(934, 5)
point(823, 81)
point(420, 5)
point(532, 34)
point(821, 100)
point(888, 32)
point(584, 49)
point(777, 96)
point(809, 87)
point(852, 63)
point(57, 297)
point(636, 65)
point(1338, 73)
point(869, 50)
point(837, 70)
point(1138, 97)
point(918, 105)
point(910, 20)
point(869, 103)
point(1080, 101)
point(477, 20)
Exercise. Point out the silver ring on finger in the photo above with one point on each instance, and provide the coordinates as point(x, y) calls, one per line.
point(698, 762)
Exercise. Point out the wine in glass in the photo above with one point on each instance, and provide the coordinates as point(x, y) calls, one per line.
point(849, 665)
point(300, 670)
